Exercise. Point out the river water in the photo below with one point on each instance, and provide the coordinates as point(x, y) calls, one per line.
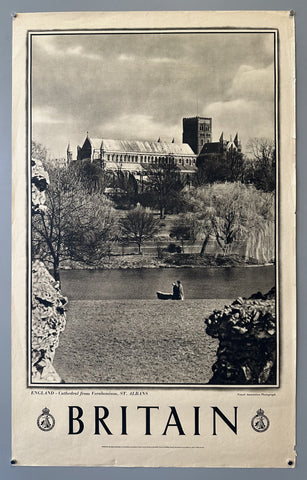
point(198, 283)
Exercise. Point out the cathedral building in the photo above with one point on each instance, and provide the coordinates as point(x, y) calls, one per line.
point(222, 149)
point(135, 156)
point(197, 131)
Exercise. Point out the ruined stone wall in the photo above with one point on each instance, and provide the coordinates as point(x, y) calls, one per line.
point(48, 304)
point(40, 181)
point(246, 330)
point(48, 321)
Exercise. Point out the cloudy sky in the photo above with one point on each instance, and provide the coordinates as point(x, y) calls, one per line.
point(140, 86)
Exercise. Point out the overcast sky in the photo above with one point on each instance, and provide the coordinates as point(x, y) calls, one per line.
point(140, 86)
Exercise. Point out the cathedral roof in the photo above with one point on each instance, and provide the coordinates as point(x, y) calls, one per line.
point(211, 147)
point(143, 147)
point(96, 143)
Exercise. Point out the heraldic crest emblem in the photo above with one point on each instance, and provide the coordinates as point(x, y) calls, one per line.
point(260, 422)
point(46, 421)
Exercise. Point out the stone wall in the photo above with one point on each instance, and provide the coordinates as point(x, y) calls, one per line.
point(48, 304)
point(48, 321)
point(40, 181)
point(246, 330)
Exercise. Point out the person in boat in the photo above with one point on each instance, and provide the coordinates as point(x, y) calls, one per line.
point(180, 290)
point(175, 292)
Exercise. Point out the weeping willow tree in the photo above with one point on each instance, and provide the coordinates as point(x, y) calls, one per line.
point(229, 212)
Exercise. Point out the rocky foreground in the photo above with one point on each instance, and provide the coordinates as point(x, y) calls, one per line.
point(246, 330)
point(48, 321)
point(48, 313)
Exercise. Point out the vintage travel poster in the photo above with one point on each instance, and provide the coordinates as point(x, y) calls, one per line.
point(154, 287)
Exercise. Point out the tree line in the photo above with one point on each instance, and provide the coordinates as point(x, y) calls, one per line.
point(162, 185)
point(256, 167)
point(81, 222)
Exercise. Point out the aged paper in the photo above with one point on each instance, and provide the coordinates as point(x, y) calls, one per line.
point(150, 147)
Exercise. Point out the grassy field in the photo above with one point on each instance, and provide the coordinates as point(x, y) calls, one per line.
point(137, 341)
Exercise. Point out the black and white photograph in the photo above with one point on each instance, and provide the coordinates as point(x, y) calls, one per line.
point(154, 223)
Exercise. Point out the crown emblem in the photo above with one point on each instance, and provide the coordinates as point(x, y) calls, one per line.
point(260, 412)
point(260, 422)
point(45, 421)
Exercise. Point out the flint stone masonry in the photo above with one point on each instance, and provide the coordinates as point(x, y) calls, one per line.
point(48, 312)
point(246, 330)
point(40, 181)
point(48, 321)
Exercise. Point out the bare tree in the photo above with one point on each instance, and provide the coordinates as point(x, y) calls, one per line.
point(217, 168)
point(262, 165)
point(139, 225)
point(75, 226)
point(236, 166)
point(164, 181)
point(90, 175)
point(185, 228)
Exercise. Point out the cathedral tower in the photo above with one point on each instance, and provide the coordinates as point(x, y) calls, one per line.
point(196, 132)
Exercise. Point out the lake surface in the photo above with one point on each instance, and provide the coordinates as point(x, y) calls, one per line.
point(198, 283)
